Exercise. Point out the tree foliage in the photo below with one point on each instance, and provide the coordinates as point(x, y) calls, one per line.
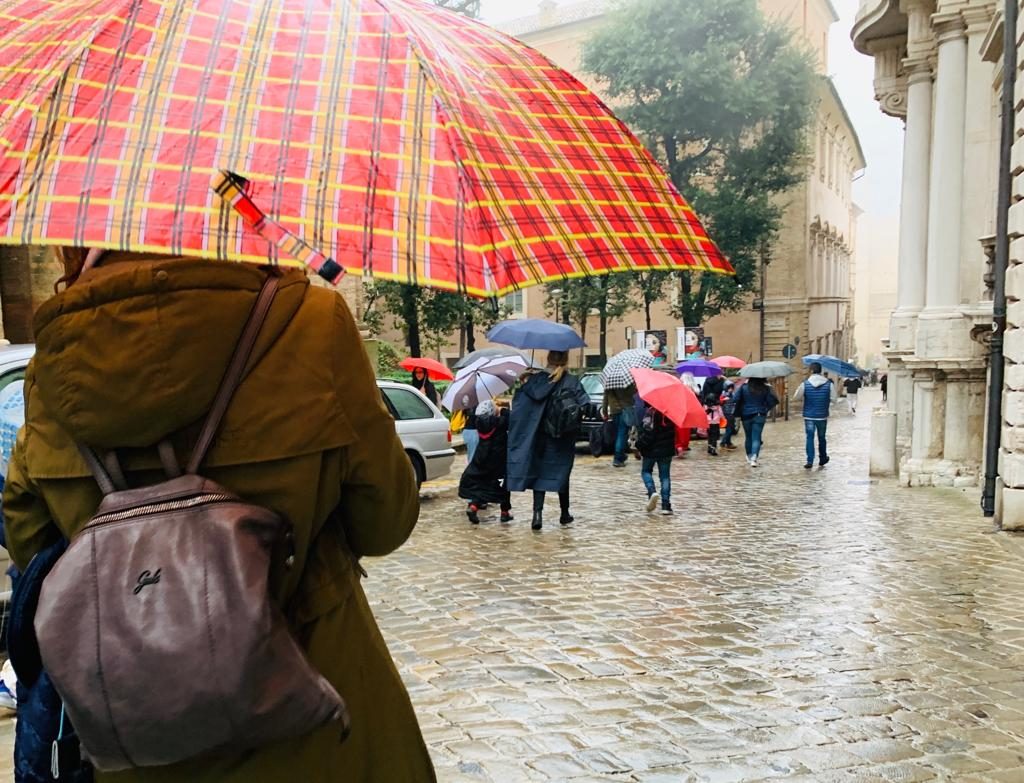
point(467, 7)
point(722, 97)
point(608, 297)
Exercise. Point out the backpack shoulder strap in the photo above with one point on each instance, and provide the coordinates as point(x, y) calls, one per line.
point(234, 373)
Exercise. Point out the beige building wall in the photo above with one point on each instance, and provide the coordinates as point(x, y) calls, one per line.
point(875, 286)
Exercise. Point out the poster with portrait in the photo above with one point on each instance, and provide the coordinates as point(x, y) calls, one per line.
point(691, 343)
point(655, 341)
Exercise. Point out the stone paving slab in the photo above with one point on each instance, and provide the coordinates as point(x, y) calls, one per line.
point(786, 625)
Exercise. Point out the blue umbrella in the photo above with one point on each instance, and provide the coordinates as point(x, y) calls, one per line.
point(534, 334)
point(833, 365)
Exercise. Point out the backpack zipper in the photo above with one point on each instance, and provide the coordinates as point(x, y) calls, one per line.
point(158, 508)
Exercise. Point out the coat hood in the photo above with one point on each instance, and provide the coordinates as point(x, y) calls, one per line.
point(135, 351)
point(817, 380)
point(539, 386)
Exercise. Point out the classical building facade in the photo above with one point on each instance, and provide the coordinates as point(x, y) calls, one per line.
point(937, 68)
point(808, 296)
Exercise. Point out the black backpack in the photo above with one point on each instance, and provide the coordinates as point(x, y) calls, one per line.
point(646, 432)
point(563, 416)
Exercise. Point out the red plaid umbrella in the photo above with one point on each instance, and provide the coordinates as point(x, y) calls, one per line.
point(403, 141)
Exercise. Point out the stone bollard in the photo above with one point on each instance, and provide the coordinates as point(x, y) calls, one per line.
point(883, 443)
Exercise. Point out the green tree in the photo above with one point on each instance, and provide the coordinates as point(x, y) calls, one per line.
point(608, 297)
point(467, 7)
point(651, 288)
point(722, 97)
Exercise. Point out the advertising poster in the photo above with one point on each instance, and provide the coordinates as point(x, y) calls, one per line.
point(655, 341)
point(691, 342)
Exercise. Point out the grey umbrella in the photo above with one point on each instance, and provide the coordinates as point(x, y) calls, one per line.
point(766, 370)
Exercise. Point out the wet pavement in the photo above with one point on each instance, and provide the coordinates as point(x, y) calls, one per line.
point(785, 624)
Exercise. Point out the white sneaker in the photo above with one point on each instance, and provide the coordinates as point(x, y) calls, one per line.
point(750, 460)
point(753, 461)
point(652, 503)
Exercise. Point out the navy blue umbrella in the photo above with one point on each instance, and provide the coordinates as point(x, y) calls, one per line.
point(833, 365)
point(534, 334)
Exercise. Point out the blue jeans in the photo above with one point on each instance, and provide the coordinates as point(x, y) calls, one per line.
point(623, 423)
point(752, 429)
point(472, 439)
point(664, 473)
point(812, 428)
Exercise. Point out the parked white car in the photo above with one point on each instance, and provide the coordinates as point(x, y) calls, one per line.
point(423, 429)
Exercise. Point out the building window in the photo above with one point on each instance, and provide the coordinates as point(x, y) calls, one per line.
point(515, 303)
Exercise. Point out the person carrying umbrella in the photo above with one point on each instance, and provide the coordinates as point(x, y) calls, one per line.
point(483, 480)
point(618, 407)
point(818, 393)
point(711, 396)
point(421, 381)
point(754, 402)
point(131, 354)
point(542, 443)
point(656, 440)
point(729, 412)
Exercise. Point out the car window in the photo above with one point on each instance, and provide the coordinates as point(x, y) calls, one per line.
point(592, 385)
point(10, 377)
point(407, 405)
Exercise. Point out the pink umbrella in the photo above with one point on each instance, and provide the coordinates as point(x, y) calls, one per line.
point(670, 396)
point(730, 362)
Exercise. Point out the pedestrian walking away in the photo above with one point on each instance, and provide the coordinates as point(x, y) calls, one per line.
point(470, 435)
point(656, 440)
point(421, 381)
point(754, 401)
point(317, 447)
point(884, 383)
point(619, 408)
point(852, 387)
point(711, 397)
point(483, 480)
point(546, 413)
point(729, 412)
point(818, 393)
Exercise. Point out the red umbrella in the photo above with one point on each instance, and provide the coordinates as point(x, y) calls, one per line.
point(435, 370)
point(729, 362)
point(670, 396)
point(388, 138)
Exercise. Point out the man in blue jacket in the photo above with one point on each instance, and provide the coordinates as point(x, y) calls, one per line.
point(818, 394)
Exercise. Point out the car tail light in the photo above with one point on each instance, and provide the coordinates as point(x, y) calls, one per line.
point(449, 434)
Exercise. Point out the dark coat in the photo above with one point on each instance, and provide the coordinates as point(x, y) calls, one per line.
point(426, 386)
point(751, 401)
point(711, 394)
point(660, 442)
point(482, 480)
point(535, 460)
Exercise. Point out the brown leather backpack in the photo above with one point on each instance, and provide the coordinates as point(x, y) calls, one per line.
point(156, 625)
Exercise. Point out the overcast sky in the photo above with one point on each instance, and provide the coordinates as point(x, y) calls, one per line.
point(878, 191)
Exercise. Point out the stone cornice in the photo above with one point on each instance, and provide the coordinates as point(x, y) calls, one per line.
point(978, 18)
point(949, 26)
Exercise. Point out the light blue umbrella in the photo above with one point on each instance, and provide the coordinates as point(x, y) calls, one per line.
point(12, 417)
point(833, 364)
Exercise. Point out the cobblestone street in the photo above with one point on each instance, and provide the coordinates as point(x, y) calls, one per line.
point(803, 625)
point(785, 624)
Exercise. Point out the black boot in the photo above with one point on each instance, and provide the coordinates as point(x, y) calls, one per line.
point(538, 520)
point(566, 519)
point(474, 517)
point(506, 515)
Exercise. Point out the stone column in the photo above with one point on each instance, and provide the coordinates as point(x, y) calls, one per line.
point(942, 291)
point(929, 417)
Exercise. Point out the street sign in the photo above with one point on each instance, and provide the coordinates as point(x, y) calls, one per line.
point(789, 351)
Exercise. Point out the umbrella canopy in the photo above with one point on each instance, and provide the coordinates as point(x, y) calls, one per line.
point(666, 393)
point(616, 373)
point(833, 364)
point(435, 370)
point(766, 370)
point(393, 139)
point(535, 334)
point(730, 362)
point(486, 353)
point(484, 379)
point(699, 368)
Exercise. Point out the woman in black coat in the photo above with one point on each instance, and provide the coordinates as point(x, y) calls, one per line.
point(421, 380)
point(483, 480)
point(536, 460)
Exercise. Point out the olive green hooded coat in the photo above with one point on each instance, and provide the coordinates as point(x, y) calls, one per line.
point(133, 352)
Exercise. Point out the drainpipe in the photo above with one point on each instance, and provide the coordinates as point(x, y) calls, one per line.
point(994, 424)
